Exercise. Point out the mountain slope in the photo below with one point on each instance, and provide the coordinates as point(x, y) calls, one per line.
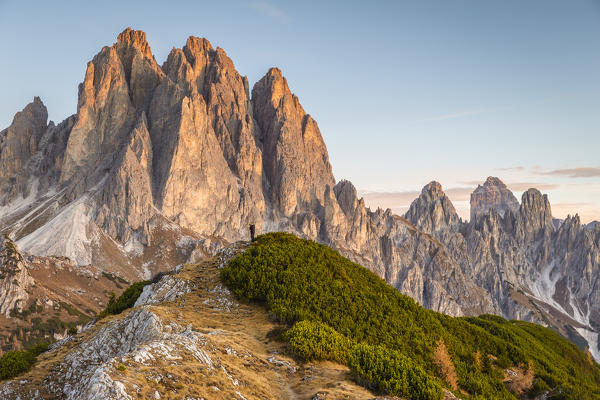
point(186, 337)
point(354, 317)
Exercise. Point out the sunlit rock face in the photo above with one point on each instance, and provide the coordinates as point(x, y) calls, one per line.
point(163, 164)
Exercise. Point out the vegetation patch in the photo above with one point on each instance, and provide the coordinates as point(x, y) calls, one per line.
point(117, 280)
point(17, 362)
point(126, 300)
point(337, 310)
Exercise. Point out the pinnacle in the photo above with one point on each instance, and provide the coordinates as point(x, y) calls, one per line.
point(194, 43)
point(493, 181)
point(136, 39)
point(432, 187)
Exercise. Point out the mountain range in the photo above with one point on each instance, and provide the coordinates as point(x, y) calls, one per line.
point(165, 164)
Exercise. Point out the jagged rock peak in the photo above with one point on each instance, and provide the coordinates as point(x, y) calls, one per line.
point(20, 141)
point(432, 210)
point(275, 83)
point(136, 39)
point(493, 194)
point(433, 189)
point(345, 192)
point(535, 210)
point(296, 161)
point(195, 45)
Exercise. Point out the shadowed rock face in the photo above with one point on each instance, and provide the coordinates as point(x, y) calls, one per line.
point(162, 163)
point(493, 194)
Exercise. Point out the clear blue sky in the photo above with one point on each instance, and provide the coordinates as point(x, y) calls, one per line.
point(404, 92)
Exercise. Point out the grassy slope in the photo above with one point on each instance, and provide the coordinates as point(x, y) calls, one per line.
point(352, 316)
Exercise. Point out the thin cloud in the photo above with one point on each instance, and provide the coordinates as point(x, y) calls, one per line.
point(578, 172)
point(270, 11)
point(518, 186)
point(522, 186)
point(450, 116)
point(517, 168)
point(403, 199)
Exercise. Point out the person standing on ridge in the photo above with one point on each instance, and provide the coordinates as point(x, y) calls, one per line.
point(252, 230)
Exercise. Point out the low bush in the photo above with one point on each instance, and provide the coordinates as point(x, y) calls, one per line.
point(316, 341)
point(16, 362)
point(390, 372)
point(126, 300)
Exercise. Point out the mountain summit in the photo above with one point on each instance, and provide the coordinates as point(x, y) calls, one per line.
point(493, 194)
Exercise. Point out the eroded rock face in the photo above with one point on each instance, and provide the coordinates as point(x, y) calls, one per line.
point(493, 194)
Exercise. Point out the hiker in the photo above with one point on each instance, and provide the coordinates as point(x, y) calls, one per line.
point(252, 229)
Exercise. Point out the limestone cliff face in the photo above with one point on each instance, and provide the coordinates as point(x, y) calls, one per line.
point(295, 157)
point(162, 164)
point(125, 202)
point(493, 194)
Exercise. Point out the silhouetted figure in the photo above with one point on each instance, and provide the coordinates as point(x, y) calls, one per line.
point(252, 230)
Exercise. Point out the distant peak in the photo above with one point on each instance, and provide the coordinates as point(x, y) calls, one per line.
point(493, 194)
point(493, 181)
point(432, 187)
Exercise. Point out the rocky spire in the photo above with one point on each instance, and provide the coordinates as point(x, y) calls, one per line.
point(493, 194)
point(296, 162)
point(534, 215)
point(14, 278)
point(119, 83)
point(18, 143)
point(20, 140)
point(432, 210)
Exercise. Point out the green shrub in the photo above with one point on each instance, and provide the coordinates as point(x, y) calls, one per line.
point(317, 341)
point(392, 373)
point(126, 300)
point(17, 362)
point(343, 302)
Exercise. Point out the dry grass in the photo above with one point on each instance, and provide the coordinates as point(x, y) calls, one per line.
point(519, 379)
point(442, 360)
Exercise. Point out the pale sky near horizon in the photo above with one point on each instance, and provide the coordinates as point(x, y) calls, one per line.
point(404, 92)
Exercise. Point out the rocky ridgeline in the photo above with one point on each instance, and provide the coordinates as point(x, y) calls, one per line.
point(163, 163)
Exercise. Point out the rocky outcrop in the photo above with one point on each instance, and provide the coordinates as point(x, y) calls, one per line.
point(14, 278)
point(493, 194)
